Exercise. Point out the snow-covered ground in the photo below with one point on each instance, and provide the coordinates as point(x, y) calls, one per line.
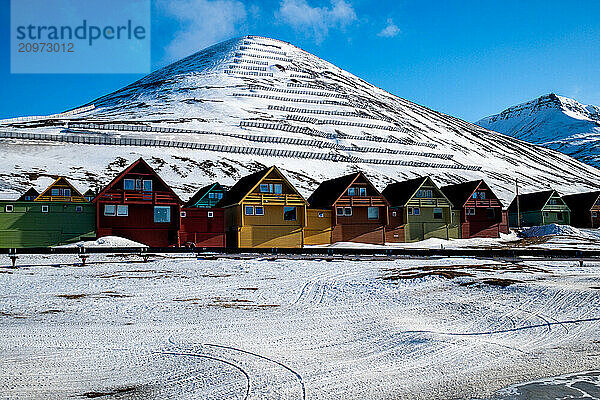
point(252, 327)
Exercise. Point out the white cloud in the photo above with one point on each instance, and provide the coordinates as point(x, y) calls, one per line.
point(390, 30)
point(202, 23)
point(316, 21)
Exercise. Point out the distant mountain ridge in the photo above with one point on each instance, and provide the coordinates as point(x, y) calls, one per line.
point(555, 122)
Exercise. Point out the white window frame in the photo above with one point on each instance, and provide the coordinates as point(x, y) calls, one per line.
point(120, 208)
point(9, 208)
point(440, 211)
point(393, 213)
point(416, 211)
point(362, 192)
point(264, 186)
point(182, 214)
point(144, 185)
point(125, 181)
point(210, 214)
point(54, 192)
point(368, 213)
point(169, 214)
point(351, 191)
point(79, 209)
point(409, 211)
point(321, 215)
point(470, 211)
point(346, 213)
point(113, 213)
point(138, 185)
point(278, 188)
point(339, 211)
point(45, 208)
point(247, 208)
point(594, 214)
point(261, 208)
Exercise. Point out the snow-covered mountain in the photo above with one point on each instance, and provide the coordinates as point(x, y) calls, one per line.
point(253, 101)
point(555, 122)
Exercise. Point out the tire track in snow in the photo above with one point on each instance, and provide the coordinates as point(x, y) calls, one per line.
point(246, 375)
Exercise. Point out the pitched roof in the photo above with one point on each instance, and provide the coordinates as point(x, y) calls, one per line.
point(531, 201)
point(142, 162)
point(62, 181)
point(329, 191)
point(399, 193)
point(201, 193)
point(459, 193)
point(30, 192)
point(242, 187)
point(583, 201)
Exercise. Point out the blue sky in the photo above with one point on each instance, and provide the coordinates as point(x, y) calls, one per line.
point(465, 58)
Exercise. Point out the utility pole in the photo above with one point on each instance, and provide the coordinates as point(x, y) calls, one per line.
point(518, 205)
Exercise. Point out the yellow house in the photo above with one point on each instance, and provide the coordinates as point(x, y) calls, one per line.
point(319, 227)
point(61, 190)
point(264, 210)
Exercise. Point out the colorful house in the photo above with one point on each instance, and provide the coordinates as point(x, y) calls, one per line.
point(418, 211)
point(539, 208)
point(481, 213)
point(29, 195)
point(59, 215)
point(202, 224)
point(140, 206)
point(585, 209)
point(264, 210)
point(358, 212)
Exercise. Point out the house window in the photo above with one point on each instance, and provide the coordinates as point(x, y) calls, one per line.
point(211, 195)
point(249, 210)
point(264, 188)
point(559, 216)
point(289, 213)
point(67, 192)
point(438, 213)
point(45, 209)
point(78, 209)
point(128, 184)
point(363, 192)
point(410, 211)
point(373, 212)
point(110, 210)
point(416, 211)
point(594, 214)
point(278, 188)
point(470, 211)
point(339, 211)
point(138, 184)
point(348, 211)
point(210, 214)
point(182, 214)
point(393, 213)
point(425, 193)
point(553, 202)
point(490, 213)
point(259, 210)
point(28, 198)
point(122, 210)
point(219, 195)
point(546, 214)
point(162, 214)
point(55, 192)
point(9, 208)
point(351, 192)
point(147, 186)
point(321, 215)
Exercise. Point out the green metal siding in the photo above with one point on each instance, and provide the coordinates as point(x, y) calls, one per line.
point(424, 225)
point(28, 226)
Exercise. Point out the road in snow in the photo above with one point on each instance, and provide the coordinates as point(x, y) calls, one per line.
point(255, 328)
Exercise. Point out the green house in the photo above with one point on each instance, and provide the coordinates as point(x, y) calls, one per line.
point(539, 208)
point(419, 210)
point(207, 197)
point(49, 220)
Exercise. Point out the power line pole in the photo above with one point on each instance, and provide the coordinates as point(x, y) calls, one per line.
point(518, 205)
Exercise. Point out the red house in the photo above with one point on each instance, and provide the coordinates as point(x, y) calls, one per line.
point(481, 213)
point(140, 206)
point(202, 224)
